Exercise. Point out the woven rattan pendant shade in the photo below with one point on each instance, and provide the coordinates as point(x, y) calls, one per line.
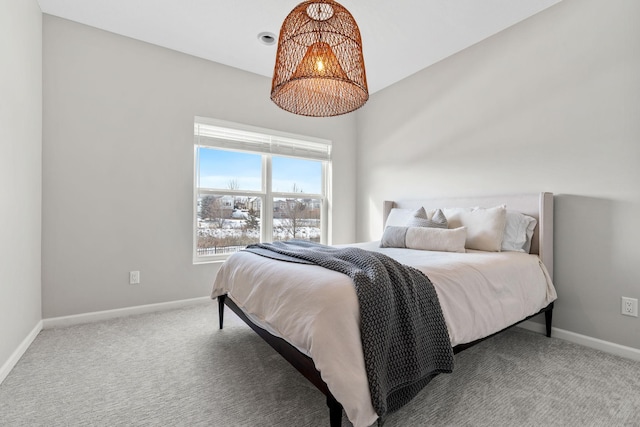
point(319, 67)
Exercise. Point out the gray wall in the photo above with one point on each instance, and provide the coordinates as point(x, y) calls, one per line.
point(20, 171)
point(548, 105)
point(118, 165)
point(551, 104)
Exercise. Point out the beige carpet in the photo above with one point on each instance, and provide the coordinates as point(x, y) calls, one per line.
point(175, 368)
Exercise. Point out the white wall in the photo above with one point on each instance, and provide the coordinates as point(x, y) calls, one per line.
point(551, 104)
point(20, 171)
point(118, 165)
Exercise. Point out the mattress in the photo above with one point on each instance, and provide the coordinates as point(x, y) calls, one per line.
point(316, 310)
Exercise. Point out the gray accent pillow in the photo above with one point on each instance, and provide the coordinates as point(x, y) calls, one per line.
point(421, 219)
point(394, 237)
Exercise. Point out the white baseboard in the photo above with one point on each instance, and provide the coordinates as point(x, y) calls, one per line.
point(17, 354)
point(76, 319)
point(606, 346)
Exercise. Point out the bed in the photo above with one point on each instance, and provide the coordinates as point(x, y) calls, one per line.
point(310, 314)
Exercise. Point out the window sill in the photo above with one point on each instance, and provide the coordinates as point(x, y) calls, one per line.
point(211, 260)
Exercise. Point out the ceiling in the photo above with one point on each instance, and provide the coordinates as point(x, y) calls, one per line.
point(399, 37)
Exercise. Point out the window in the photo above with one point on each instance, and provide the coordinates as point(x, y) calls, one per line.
point(256, 185)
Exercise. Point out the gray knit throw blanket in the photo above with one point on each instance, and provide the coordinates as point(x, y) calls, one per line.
point(404, 336)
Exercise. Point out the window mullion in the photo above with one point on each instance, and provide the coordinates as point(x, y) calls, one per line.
point(324, 216)
point(296, 195)
point(214, 191)
point(267, 206)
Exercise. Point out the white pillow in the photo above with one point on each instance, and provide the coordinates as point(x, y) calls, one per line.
point(398, 217)
point(485, 227)
point(436, 239)
point(518, 232)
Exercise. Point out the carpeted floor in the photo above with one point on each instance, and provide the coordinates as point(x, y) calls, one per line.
point(175, 368)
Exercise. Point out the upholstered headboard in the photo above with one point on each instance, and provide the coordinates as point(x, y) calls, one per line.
point(539, 206)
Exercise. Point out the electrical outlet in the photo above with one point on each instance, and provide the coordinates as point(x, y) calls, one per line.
point(630, 306)
point(134, 277)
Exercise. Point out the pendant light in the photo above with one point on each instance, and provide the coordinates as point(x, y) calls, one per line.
point(319, 67)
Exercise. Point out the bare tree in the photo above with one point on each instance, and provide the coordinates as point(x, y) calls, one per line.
point(239, 202)
point(212, 208)
point(294, 213)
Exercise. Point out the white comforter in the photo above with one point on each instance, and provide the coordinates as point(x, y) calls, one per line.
point(316, 309)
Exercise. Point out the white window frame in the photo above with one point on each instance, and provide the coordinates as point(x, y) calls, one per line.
point(221, 134)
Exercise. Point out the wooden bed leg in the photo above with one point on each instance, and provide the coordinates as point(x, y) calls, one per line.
point(335, 411)
point(221, 299)
point(547, 320)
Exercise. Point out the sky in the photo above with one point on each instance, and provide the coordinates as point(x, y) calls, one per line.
point(219, 167)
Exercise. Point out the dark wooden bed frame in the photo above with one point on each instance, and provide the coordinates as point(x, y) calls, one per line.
point(542, 242)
